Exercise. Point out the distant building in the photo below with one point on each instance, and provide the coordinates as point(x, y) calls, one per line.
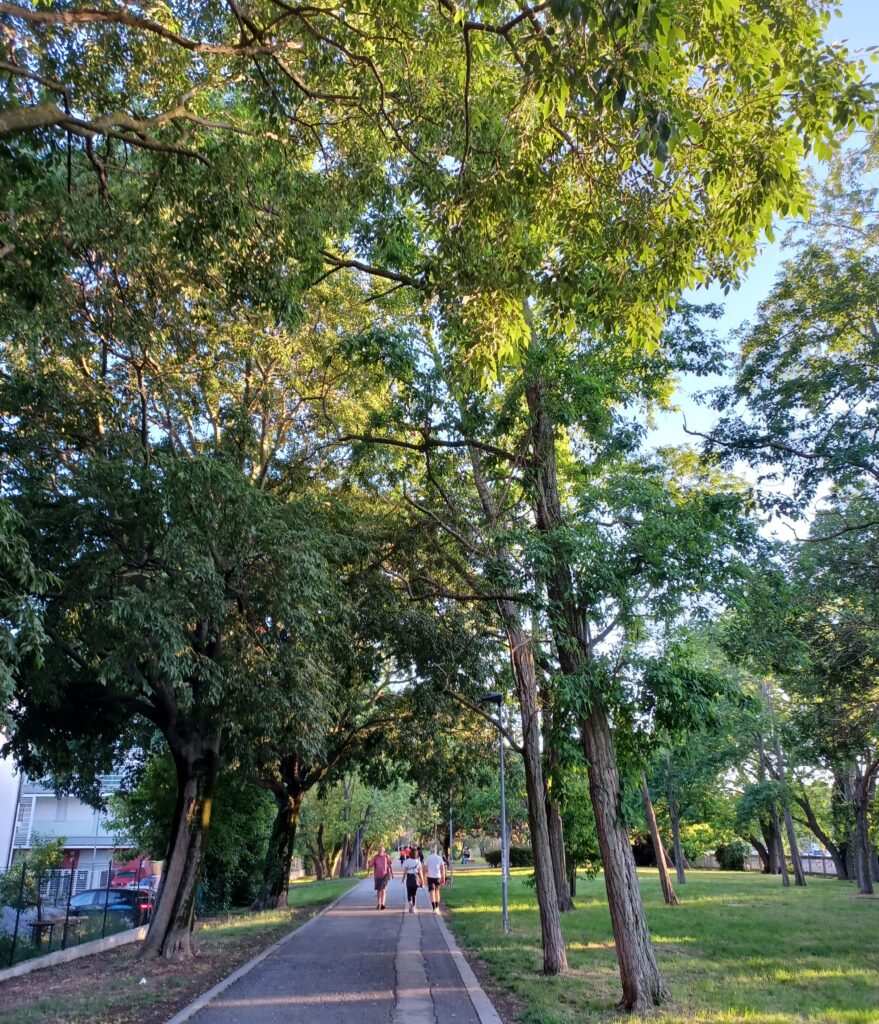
point(9, 784)
point(89, 845)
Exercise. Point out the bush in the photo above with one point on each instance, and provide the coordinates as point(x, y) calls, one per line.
point(731, 856)
point(520, 857)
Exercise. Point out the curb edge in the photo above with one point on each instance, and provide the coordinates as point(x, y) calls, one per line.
point(206, 997)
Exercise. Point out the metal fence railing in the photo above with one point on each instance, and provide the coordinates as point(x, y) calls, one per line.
point(42, 911)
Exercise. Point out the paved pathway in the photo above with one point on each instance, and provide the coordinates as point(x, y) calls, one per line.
point(355, 963)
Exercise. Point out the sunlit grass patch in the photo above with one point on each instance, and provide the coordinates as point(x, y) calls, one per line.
point(739, 948)
point(308, 893)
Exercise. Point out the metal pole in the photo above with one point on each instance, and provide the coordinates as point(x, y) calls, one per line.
point(505, 867)
point(67, 911)
point(107, 897)
point(451, 845)
point(95, 849)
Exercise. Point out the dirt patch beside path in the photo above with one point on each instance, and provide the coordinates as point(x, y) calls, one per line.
point(107, 988)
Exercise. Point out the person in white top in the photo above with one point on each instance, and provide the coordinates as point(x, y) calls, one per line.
point(436, 876)
point(412, 878)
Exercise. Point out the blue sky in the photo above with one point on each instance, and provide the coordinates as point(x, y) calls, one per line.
point(859, 28)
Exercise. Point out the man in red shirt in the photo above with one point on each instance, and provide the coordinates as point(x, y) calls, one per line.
point(382, 873)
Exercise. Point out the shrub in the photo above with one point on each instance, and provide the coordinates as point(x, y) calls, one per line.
point(731, 856)
point(520, 857)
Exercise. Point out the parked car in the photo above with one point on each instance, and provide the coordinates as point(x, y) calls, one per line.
point(131, 905)
point(123, 878)
point(148, 884)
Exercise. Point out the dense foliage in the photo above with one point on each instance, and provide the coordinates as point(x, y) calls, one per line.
point(331, 339)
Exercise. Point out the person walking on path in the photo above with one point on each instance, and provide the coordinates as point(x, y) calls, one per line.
point(436, 876)
point(382, 873)
point(412, 879)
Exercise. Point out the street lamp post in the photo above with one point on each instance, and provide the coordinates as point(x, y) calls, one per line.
point(451, 845)
point(498, 699)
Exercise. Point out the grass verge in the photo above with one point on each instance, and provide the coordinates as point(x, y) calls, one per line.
point(739, 948)
point(107, 989)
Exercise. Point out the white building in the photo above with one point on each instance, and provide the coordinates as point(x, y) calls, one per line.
point(89, 846)
point(9, 783)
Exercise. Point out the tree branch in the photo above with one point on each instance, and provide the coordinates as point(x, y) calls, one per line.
point(389, 275)
point(85, 16)
point(482, 714)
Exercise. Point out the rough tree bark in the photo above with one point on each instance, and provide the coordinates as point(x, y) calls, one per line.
point(643, 987)
point(668, 892)
point(554, 817)
point(197, 762)
point(796, 860)
point(811, 822)
point(279, 855)
point(321, 868)
point(770, 841)
point(762, 853)
point(861, 793)
point(863, 874)
point(675, 818)
point(557, 848)
point(555, 959)
point(781, 859)
point(776, 845)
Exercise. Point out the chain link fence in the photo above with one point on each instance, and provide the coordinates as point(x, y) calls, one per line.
point(43, 911)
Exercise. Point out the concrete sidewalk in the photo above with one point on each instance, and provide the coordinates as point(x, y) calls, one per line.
point(355, 963)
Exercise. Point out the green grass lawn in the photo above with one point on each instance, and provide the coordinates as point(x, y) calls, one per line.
point(738, 948)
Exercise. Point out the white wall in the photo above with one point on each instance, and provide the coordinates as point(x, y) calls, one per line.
point(8, 805)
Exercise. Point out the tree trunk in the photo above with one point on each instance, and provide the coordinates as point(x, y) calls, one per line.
point(799, 874)
point(335, 863)
point(320, 858)
point(676, 834)
point(762, 853)
point(822, 837)
point(197, 766)
point(555, 960)
point(643, 987)
point(557, 850)
point(770, 838)
point(796, 860)
point(847, 850)
point(775, 844)
point(781, 859)
point(553, 814)
point(276, 867)
point(863, 872)
point(668, 892)
point(345, 857)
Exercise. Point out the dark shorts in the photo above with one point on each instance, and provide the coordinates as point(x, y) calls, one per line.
point(381, 883)
point(432, 883)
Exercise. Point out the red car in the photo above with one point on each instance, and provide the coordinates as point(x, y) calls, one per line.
point(123, 878)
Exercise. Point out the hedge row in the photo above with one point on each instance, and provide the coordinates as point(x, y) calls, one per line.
point(520, 857)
